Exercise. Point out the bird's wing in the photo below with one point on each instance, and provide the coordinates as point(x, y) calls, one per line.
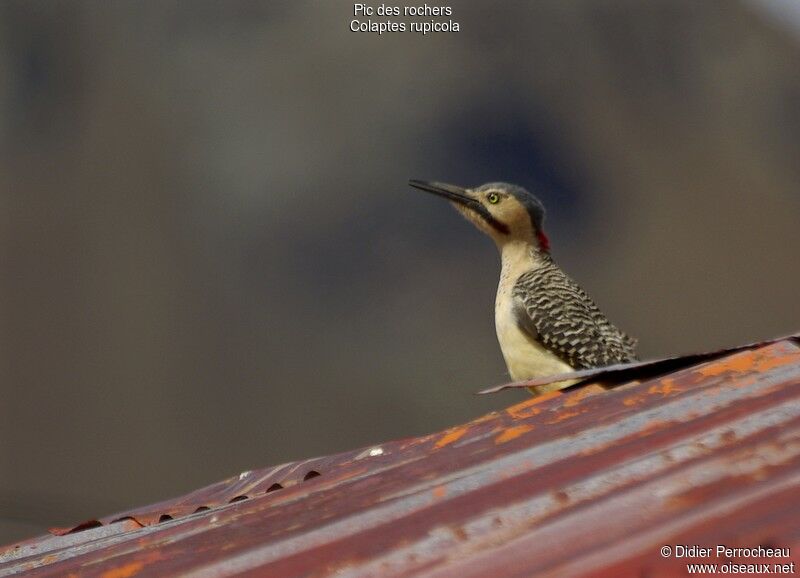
point(560, 315)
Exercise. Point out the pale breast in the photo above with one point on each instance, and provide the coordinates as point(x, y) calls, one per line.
point(525, 357)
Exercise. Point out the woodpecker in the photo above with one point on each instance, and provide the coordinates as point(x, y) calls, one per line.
point(546, 324)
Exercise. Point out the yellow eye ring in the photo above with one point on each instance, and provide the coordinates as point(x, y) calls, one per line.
point(493, 198)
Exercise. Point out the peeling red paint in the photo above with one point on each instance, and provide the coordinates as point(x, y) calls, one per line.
point(451, 436)
point(705, 451)
point(530, 407)
point(733, 364)
point(665, 387)
point(125, 571)
point(562, 416)
point(633, 400)
point(512, 433)
point(576, 397)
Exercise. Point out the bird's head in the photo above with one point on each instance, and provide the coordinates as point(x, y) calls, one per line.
point(503, 211)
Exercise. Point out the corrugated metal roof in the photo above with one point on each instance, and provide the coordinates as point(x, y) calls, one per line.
point(584, 482)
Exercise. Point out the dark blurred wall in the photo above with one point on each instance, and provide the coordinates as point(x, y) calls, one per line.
point(211, 260)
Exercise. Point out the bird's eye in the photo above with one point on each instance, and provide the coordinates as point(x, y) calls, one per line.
point(493, 198)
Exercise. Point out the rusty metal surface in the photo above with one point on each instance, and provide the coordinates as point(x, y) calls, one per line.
point(636, 370)
point(584, 482)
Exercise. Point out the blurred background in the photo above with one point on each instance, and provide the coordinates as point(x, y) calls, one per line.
point(211, 261)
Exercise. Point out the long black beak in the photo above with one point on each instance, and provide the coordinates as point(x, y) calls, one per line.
point(459, 195)
point(452, 192)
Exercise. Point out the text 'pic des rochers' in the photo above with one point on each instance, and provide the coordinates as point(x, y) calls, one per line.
point(384, 10)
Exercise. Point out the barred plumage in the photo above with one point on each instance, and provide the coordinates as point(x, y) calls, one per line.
point(560, 315)
point(546, 325)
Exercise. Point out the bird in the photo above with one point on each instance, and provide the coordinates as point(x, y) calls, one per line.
point(545, 322)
